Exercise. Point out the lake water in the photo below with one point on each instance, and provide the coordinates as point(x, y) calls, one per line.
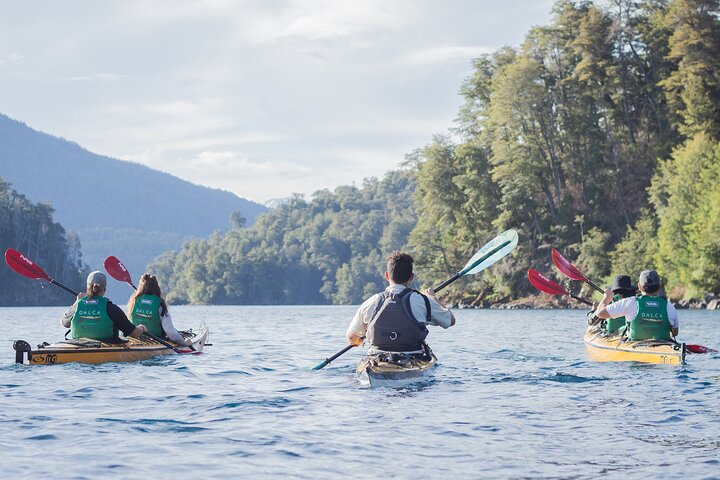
point(514, 396)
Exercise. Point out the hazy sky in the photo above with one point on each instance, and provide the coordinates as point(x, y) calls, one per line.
point(262, 98)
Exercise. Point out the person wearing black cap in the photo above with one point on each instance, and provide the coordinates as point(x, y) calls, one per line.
point(94, 316)
point(622, 287)
point(649, 316)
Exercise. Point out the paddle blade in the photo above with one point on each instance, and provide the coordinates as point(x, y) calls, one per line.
point(491, 252)
point(544, 284)
point(24, 266)
point(698, 349)
point(117, 270)
point(567, 268)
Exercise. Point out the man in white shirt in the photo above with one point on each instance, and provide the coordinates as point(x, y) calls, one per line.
point(649, 316)
point(395, 320)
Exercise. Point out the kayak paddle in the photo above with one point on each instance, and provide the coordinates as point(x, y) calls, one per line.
point(27, 268)
point(490, 253)
point(544, 284)
point(117, 270)
point(570, 271)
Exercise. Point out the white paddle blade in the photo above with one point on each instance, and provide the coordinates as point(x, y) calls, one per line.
point(493, 251)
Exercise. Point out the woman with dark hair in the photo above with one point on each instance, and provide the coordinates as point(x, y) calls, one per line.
point(94, 316)
point(148, 307)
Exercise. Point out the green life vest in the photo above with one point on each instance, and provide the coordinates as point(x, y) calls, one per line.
point(612, 325)
point(146, 311)
point(652, 320)
point(91, 319)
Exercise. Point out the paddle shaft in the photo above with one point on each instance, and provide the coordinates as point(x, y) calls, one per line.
point(594, 285)
point(330, 359)
point(67, 289)
point(580, 299)
point(167, 344)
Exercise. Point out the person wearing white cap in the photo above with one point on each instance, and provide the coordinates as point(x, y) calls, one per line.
point(649, 316)
point(94, 316)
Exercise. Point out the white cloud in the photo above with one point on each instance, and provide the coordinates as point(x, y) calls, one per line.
point(444, 53)
point(260, 98)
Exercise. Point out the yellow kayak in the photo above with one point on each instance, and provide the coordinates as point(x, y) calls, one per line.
point(603, 348)
point(85, 350)
point(395, 369)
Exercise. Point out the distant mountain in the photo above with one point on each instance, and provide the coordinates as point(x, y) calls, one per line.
point(116, 207)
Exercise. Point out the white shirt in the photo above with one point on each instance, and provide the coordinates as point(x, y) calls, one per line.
point(439, 316)
point(170, 331)
point(628, 308)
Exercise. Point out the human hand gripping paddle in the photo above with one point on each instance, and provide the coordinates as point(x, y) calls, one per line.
point(490, 253)
point(117, 270)
point(571, 271)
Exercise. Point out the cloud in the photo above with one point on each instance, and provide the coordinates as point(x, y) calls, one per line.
point(232, 162)
point(446, 53)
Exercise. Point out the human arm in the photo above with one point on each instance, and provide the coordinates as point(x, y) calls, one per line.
point(601, 310)
point(67, 317)
point(122, 323)
point(171, 332)
point(440, 315)
point(358, 326)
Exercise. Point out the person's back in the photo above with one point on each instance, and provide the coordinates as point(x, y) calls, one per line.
point(622, 288)
point(148, 307)
point(394, 327)
point(652, 320)
point(395, 320)
point(91, 319)
point(94, 316)
point(649, 316)
point(146, 311)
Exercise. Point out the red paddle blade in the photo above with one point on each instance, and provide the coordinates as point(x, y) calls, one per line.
point(698, 349)
point(117, 270)
point(544, 284)
point(567, 268)
point(24, 266)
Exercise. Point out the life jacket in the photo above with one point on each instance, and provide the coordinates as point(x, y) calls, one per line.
point(146, 311)
point(612, 325)
point(91, 319)
point(393, 327)
point(652, 320)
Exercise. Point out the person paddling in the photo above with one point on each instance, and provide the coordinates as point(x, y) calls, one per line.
point(148, 307)
point(396, 319)
point(94, 316)
point(649, 316)
point(622, 287)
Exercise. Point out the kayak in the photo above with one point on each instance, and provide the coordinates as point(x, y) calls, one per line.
point(602, 347)
point(395, 369)
point(86, 350)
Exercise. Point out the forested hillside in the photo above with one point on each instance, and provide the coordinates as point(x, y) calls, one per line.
point(597, 136)
point(329, 249)
point(30, 229)
point(116, 207)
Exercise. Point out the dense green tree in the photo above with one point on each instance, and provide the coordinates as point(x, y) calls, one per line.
point(30, 229)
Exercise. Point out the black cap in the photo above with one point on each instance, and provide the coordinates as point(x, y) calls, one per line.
point(649, 280)
point(623, 282)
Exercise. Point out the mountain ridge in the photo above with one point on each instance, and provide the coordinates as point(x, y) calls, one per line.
point(102, 198)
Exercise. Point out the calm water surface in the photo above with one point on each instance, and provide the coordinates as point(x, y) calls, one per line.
point(505, 402)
